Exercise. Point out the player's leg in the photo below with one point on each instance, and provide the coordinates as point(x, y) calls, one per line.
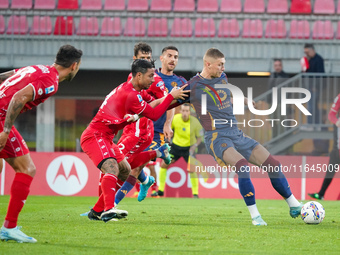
point(154, 187)
point(193, 175)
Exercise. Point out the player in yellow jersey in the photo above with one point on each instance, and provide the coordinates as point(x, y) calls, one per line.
point(188, 134)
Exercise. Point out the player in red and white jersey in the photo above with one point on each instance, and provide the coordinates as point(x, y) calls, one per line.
point(25, 88)
point(334, 157)
point(124, 104)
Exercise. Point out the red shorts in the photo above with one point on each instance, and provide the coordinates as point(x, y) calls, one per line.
point(99, 146)
point(15, 146)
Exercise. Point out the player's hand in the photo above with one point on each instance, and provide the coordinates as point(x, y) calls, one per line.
point(180, 93)
point(168, 132)
point(3, 140)
point(131, 118)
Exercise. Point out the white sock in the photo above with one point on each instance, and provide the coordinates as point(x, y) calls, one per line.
point(292, 201)
point(253, 211)
point(146, 180)
point(159, 154)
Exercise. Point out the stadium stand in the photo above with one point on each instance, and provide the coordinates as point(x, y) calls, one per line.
point(301, 7)
point(184, 6)
point(2, 24)
point(230, 6)
point(252, 28)
point(91, 5)
point(88, 26)
point(181, 28)
point(17, 25)
point(64, 25)
point(114, 5)
point(207, 6)
point(323, 30)
point(4, 4)
point(161, 6)
point(228, 28)
point(42, 25)
point(111, 26)
point(21, 4)
point(277, 6)
point(158, 27)
point(205, 27)
point(44, 4)
point(338, 9)
point(338, 31)
point(138, 5)
point(134, 27)
point(324, 7)
point(299, 29)
point(67, 4)
point(276, 29)
point(254, 6)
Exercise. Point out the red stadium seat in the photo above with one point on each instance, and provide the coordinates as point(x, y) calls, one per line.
point(228, 6)
point(207, 6)
point(301, 7)
point(299, 29)
point(338, 11)
point(44, 4)
point(160, 6)
point(252, 28)
point(323, 30)
point(21, 4)
point(181, 28)
point(184, 6)
point(67, 4)
point(134, 27)
point(228, 28)
point(111, 26)
point(205, 28)
point(42, 25)
point(91, 5)
point(114, 5)
point(17, 25)
point(88, 26)
point(324, 7)
point(138, 5)
point(2, 24)
point(276, 29)
point(64, 25)
point(254, 6)
point(338, 31)
point(4, 4)
point(277, 6)
point(158, 27)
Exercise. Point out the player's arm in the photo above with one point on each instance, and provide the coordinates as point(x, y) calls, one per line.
point(17, 103)
point(332, 115)
point(6, 75)
point(167, 130)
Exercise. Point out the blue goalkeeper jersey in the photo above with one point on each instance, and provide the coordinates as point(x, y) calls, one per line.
point(170, 81)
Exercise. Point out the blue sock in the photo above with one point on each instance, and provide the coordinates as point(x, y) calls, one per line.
point(280, 183)
point(126, 187)
point(142, 176)
point(246, 186)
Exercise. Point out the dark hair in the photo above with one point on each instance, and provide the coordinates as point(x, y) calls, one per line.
point(214, 53)
point(309, 46)
point(67, 55)
point(186, 104)
point(170, 47)
point(141, 47)
point(277, 59)
point(140, 66)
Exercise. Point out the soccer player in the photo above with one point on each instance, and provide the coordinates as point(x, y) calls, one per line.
point(24, 89)
point(162, 127)
point(334, 158)
point(124, 104)
point(187, 137)
point(227, 143)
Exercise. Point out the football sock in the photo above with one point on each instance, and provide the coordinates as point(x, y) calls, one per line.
point(99, 206)
point(109, 182)
point(194, 183)
point(253, 211)
point(19, 192)
point(333, 162)
point(162, 179)
point(142, 158)
point(119, 184)
point(292, 201)
point(100, 183)
point(244, 183)
point(137, 186)
point(154, 186)
point(127, 186)
point(143, 178)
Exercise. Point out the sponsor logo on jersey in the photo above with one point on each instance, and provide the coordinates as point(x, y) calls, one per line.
point(2, 94)
point(40, 91)
point(44, 69)
point(173, 84)
point(140, 98)
point(159, 84)
point(49, 90)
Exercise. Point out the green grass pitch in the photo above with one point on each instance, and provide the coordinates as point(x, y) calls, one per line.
point(171, 226)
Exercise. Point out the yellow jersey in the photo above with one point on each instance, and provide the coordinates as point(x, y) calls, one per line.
point(186, 132)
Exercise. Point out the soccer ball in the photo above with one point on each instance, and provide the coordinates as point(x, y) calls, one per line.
point(312, 212)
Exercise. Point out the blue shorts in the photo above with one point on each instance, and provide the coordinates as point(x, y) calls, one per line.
point(217, 142)
point(158, 141)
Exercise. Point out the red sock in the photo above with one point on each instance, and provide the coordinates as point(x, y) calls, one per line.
point(119, 184)
point(109, 183)
point(142, 158)
point(137, 186)
point(100, 183)
point(99, 206)
point(19, 192)
point(154, 187)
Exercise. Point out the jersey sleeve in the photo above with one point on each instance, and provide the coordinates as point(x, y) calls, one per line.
point(332, 116)
point(135, 103)
point(147, 97)
point(157, 88)
point(43, 88)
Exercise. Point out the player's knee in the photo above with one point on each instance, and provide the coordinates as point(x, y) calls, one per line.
point(31, 170)
point(124, 170)
point(110, 166)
